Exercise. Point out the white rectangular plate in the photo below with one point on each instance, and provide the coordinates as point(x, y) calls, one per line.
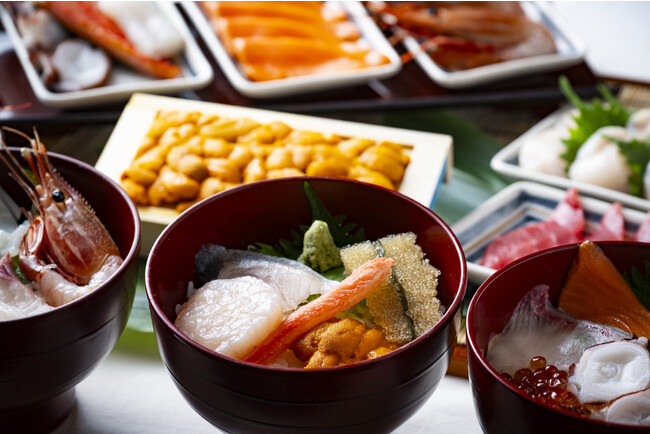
point(519, 204)
point(570, 51)
point(430, 153)
point(506, 162)
point(123, 81)
point(308, 83)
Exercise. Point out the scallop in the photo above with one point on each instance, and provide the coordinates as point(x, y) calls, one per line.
point(231, 316)
point(639, 123)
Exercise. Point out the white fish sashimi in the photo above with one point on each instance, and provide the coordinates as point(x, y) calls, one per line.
point(294, 281)
point(10, 241)
point(231, 316)
point(16, 299)
point(537, 328)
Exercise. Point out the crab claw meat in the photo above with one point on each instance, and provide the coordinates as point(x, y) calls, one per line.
point(79, 65)
point(607, 371)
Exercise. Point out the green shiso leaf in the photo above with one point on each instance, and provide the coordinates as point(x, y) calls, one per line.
point(640, 284)
point(599, 113)
point(637, 153)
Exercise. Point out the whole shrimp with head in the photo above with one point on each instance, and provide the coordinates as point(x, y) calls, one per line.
point(67, 251)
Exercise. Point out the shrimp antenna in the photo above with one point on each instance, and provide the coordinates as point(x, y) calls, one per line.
point(14, 167)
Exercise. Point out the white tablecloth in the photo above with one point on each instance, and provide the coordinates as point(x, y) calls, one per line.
point(132, 392)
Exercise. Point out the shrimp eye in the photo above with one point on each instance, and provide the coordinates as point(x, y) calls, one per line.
point(58, 196)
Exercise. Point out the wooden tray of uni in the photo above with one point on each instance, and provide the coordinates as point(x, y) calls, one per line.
point(430, 153)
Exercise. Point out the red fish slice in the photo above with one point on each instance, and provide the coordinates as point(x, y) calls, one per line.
point(611, 227)
point(564, 227)
point(643, 233)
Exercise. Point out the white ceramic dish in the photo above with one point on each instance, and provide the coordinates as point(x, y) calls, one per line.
point(519, 204)
point(308, 83)
point(123, 81)
point(570, 50)
point(430, 153)
point(506, 162)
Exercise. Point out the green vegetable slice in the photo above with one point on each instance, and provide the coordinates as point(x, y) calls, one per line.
point(19, 271)
point(591, 117)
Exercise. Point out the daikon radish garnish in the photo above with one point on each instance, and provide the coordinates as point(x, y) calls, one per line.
point(354, 288)
point(607, 371)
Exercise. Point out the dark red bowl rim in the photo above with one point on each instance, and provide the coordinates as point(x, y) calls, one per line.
point(475, 351)
point(447, 317)
point(130, 256)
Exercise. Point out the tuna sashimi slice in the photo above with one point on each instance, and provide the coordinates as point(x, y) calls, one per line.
point(643, 233)
point(564, 227)
point(611, 227)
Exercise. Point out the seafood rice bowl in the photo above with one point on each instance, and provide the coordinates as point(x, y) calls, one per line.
point(559, 338)
point(249, 358)
point(72, 312)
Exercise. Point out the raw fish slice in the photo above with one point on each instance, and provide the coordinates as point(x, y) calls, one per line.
point(537, 328)
point(294, 281)
point(611, 227)
point(594, 290)
point(643, 233)
point(631, 409)
point(16, 299)
point(610, 370)
point(564, 227)
point(231, 316)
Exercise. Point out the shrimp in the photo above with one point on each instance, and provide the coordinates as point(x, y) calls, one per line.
point(467, 36)
point(67, 251)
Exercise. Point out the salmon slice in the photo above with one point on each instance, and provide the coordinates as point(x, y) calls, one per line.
point(85, 19)
point(595, 291)
point(302, 11)
point(279, 57)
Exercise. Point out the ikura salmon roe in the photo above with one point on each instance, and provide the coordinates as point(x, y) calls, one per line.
point(547, 385)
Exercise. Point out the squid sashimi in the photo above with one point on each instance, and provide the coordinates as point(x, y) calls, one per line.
point(16, 299)
point(611, 226)
point(564, 227)
point(537, 327)
point(294, 281)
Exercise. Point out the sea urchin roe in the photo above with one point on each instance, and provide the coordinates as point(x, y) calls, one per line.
point(406, 306)
point(547, 385)
point(340, 342)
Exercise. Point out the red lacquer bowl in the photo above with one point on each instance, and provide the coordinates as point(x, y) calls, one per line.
point(43, 357)
point(371, 396)
point(500, 407)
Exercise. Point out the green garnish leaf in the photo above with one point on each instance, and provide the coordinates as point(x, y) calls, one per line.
point(591, 117)
point(342, 235)
point(19, 271)
point(637, 153)
point(639, 283)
